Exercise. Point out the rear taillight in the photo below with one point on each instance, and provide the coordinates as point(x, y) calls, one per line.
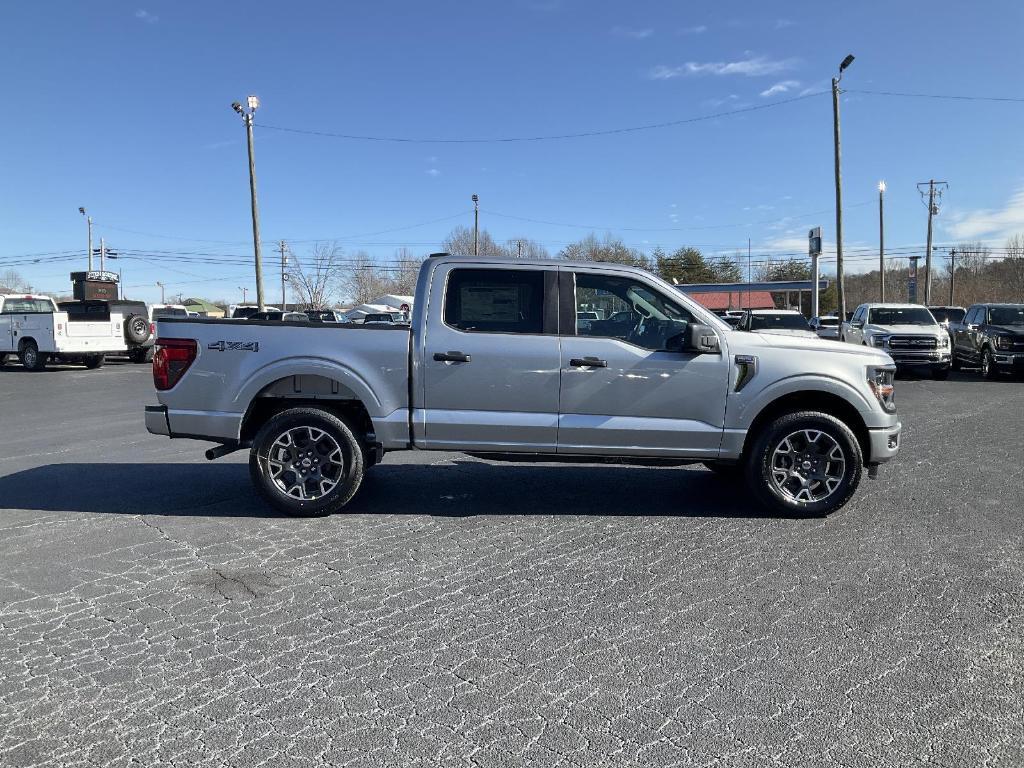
point(152, 330)
point(171, 359)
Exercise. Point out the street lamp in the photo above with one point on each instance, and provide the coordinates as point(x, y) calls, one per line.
point(840, 286)
point(88, 221)
point(881, 240)
point(476, 225)
point(247, 112)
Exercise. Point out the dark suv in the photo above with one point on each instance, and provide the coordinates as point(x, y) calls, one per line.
point(138, 331)
point(991, 336)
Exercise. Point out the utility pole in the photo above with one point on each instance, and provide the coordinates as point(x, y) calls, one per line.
point(881, 241)
point(952, 273)
point(476, 225)
point(88, 221)
point(748, 273)
point(814, 249)
point(519, 249)
point(162, 299)
point(243, 290)
point(933, 210)
point(253, 104)
point(103, 255)
point(840, 286)
point(284, 262)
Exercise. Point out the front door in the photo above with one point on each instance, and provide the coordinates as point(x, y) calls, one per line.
point(490, 360)
point(622, 391)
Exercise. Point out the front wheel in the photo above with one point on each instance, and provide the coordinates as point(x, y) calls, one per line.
point(805, 464)
point(940, 374)
point(988, 366)
point(306, 462)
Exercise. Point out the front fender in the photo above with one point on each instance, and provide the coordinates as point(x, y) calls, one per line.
point(741, 411)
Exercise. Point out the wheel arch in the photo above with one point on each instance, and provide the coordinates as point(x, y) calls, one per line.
point(811, 400)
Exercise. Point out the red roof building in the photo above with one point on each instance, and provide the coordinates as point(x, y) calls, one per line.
point(735, 300)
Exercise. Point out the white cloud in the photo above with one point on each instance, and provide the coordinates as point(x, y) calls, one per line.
point(433, 172)
point(782, 87)
point(144, 15)
point(634, 34)
point(755, 66)
point(990, 223)
point(700, 29)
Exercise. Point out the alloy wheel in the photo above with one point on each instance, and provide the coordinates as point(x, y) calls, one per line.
point(808, 466)
point(305, 463)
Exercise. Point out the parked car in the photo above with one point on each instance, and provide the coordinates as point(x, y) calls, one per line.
point(990, 336)
point(379, 318)
point(495, 365)
point(909, 333)
point(947, 315)
point(35, 329)
point(783, 322)
point(826, 326)
point(323, 316)
point(138, 323)
point(278, 315)
point(244, 311)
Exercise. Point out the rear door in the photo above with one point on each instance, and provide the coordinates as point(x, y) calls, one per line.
point(490, 360)
point(965, 338)
point(6, 329)
point(623, 393)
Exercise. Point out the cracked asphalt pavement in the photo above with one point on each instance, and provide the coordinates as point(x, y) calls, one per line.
point(465, 613)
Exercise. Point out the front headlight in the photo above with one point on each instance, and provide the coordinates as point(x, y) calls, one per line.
point(943, 341)
point(1004, 342)
point(879, 341)
point(880, 381)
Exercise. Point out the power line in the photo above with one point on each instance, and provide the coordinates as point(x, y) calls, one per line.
point(552, 137)
point(951, 97)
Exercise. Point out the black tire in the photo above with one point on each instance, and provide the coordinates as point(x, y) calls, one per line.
point(954, 362)
point(347, 477)
point(759, 464)
point(31, 357)
point(3, 359)
point(136, 329)
point(94, 361)
point(989, 369)
point(940, 374)
point(140, 354)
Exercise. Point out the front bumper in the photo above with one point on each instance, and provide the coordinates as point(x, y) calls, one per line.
point(883, 443)
point(933, 359)
point(1009, 360)
point(156, 420)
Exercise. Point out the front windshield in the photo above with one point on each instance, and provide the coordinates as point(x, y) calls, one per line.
point(901, 316)
point(952, 315)
point(770, 321)
point(13, 306)
point(1006, 315)
point(832, 321)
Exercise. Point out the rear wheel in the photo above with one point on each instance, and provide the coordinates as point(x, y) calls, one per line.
point(140, 354)
point(806, 464)
point(94, 361)
point(31, 357)
point(306, 462)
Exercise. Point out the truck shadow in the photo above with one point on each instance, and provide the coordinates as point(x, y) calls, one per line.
point(462, 488)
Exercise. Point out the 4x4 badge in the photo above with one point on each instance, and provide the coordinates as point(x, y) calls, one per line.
point(240, 346)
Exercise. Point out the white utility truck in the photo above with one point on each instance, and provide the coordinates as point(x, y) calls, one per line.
point(33, 328)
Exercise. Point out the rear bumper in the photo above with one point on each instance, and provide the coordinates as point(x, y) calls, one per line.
point(156, 420)
point(884, 443)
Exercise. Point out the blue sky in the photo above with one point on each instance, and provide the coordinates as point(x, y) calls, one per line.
point(124, 108)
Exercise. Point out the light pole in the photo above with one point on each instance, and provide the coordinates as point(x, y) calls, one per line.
point(88, 221)
point(252, 104)
point(476, 225)
point(162, 299)
point(840, 288)
point(243, 290)
point(881, 241)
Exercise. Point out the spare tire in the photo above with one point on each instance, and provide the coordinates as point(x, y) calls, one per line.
point(136, 328)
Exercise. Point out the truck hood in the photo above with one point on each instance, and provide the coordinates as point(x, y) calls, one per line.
point(913, 330)
point(743, 342)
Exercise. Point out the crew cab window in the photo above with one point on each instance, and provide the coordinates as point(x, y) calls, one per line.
point(495, 300)
point(27, 306)
point(1006, 315)
point(972, 315)
point(627, 310)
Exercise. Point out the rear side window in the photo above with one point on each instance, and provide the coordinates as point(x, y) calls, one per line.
point(26, 306)
point(495, 300)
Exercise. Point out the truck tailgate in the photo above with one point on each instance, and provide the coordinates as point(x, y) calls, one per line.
point(238, 361)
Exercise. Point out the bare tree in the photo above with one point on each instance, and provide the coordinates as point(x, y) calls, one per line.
point(314, 278)
point(364, 279)
point(610, 248)
point(14, 282)
point(403, 275)
point(460, 243)
point(524, 248)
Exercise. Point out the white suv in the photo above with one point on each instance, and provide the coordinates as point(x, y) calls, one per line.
point(909, 333)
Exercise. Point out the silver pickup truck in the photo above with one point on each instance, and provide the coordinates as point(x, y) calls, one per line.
point(497, 363)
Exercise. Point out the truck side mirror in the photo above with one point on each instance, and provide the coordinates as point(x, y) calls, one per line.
point(696, 339)
point(857, 324)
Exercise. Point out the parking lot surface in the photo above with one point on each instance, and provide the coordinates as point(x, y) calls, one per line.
point(465, 613)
